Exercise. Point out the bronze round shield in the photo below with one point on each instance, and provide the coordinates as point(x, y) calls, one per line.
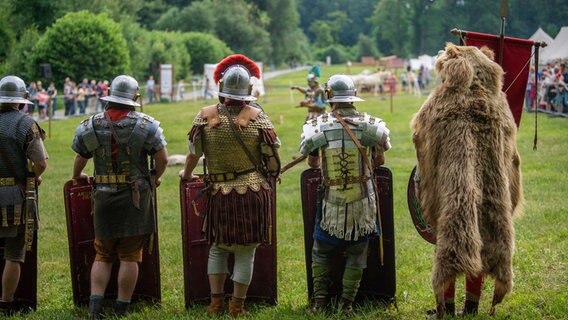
point(422, 227)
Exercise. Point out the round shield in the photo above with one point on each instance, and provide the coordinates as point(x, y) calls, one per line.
point(423, 228)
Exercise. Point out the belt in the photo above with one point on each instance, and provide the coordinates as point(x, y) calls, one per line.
point(10, 181)
point(347, 180)
point(111, 179)
point(228, 176)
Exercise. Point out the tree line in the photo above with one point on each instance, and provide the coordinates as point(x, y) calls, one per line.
point(100, 38)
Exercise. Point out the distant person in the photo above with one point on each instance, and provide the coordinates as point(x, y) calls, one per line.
point(150, 87)
point(52, 103)
point(206, 88)
point(314, 97)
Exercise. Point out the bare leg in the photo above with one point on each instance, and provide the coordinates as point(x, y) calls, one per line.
point(217, 282)
point(100, 275)
point(127, 276)
point(10, 280)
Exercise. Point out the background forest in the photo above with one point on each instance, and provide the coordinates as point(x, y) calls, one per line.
point(98, 39)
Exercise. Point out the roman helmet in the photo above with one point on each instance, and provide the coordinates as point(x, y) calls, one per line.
point(340, 88)
point(124, 90)
point(233, 74)
point(13, 90)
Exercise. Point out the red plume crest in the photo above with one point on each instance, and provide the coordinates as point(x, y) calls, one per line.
point(233, 60)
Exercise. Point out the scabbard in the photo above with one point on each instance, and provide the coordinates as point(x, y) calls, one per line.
point(30, 212)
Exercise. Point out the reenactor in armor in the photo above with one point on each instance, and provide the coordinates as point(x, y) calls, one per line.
point(348, 145)
point(120, 141)
point(241, 152)
point(22, 142)
point(314, 97)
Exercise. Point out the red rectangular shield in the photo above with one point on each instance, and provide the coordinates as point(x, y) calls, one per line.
point(263, 287)
point(379, 281)
point(25, 298)
point(81, 235)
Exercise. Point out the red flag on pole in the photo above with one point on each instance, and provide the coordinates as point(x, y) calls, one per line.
point(515, 63)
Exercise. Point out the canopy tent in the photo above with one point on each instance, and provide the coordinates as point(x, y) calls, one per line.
point(541, 36)
point(558, 49)
point(423, 60)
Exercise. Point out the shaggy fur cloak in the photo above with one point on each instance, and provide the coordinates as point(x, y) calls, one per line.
point(469, 168)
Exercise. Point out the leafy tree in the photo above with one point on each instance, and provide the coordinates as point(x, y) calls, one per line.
point(337, 53)
point(242, 28)
point(390, 27)
point(21, 14)
point(285, 34)
point(18, 60)
point(198, 16)
point(204, 48)
point(138, 40)
point(366, 47)
point(6, 34)
point(169, 48)
point(83, 45)
point(324, 33)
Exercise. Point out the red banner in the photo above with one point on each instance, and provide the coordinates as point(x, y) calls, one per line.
point(515, 63)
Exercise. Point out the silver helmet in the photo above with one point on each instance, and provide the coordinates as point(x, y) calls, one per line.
point(13, 90)
point(340, 88)
point(124, 90)
point(236, 84)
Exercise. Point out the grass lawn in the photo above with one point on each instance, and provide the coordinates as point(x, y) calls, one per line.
point(540, 263)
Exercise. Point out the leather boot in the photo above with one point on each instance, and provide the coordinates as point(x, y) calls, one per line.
point(95, 308)
point(121, 308)
point(6, 308)
point(318, 305)
point(237, 307)
point(450, 308)
point(217, 305)
point(346, 307)
point(470, 308)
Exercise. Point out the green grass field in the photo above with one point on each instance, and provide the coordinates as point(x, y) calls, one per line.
point(540, 263)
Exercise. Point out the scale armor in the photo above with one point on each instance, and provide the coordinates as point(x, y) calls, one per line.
point(224, 153)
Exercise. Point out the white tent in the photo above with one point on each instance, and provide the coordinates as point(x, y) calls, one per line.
point(559, 47)
point(257, 84)
point(541, 36)
point(423, 60)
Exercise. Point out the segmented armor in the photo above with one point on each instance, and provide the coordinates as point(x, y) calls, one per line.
point(122, 177)
point(349, 207)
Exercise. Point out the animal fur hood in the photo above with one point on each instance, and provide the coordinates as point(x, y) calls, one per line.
point(469, 167)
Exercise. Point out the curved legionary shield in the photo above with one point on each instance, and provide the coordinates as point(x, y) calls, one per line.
point(379, 281)
point(81, 235)
point(25, 298)
point(263, 287)
point(422, 227)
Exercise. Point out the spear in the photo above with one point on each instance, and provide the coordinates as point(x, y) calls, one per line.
point(503, 13)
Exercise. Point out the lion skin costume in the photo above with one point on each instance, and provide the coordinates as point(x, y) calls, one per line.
point(469, 170)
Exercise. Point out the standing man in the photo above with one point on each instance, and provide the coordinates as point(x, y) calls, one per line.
point(348, 145)
point(150, 84)
point(314, 97)
point(241, 148)
point(120, 140)
point(22, 141)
